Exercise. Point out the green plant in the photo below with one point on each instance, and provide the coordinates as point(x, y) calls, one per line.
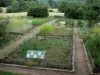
point(93, 46)
point(46, 28)
point(38, 12)
point(1, 10)
point(39, 21)
point(83, 24)
point(3, 24)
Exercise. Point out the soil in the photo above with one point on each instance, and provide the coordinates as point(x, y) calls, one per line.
point(80, 58)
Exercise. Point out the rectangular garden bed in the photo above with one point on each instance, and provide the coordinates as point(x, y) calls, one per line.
point(58, 53)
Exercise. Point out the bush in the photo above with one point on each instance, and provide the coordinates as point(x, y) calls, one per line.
point(3, 23)
point(1, 10)
point(93, 46)
point(83, 24)
point(51, 10)
point(46, 28)
point(75, 11)
point(38, 12)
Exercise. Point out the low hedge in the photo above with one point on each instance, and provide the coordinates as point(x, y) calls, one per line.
point(38, 12)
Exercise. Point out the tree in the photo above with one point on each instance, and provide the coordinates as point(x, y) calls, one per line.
point(14, 7)
point(5, 3)
point(93, 1)
point(52, 3)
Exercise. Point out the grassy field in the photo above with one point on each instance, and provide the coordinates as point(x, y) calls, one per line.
point(8, 73)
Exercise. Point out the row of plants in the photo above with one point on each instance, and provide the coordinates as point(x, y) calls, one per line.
point(91, 38)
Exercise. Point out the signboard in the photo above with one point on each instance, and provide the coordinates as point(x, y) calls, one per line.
point(35, 54)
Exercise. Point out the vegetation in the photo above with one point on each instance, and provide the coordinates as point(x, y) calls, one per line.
point(39, 21)
point(18, 25)
point(1, 10)
point(8, 73)
point(92, 43)
point(57, 53)
point(38, 12)
point(3, 24)
point(46, 28)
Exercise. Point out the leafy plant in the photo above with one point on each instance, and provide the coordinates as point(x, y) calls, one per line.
point(93, 46)
point(46, 28)
point(3, 24)
point(1, 10)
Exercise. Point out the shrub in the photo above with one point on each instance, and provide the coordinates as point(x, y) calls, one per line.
point(38, 12)
point(1, 10)
point(51, 10)
point(83, 23)
point(93, 46)
point(3, 23)
point(46, 28)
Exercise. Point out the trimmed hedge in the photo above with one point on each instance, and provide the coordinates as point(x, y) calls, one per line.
point(38, 12)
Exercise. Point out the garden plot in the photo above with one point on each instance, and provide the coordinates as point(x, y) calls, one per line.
point(58, 53)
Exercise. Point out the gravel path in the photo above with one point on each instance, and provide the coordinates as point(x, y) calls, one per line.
point(80, 58)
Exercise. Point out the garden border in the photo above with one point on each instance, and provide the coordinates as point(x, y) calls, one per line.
point(87, 58)
point(51, 69)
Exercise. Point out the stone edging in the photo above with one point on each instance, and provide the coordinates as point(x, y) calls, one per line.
point(87, 58)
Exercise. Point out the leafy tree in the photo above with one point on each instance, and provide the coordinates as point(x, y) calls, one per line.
point(14, 7)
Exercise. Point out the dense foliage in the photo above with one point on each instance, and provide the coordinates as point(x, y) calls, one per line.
point(1, 10)
point(38, 12)
point(78, 10)
point(3, 23)
point(21, 5)
point(46, 28)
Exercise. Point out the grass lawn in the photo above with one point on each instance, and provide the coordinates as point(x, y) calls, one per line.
point(8, 73)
